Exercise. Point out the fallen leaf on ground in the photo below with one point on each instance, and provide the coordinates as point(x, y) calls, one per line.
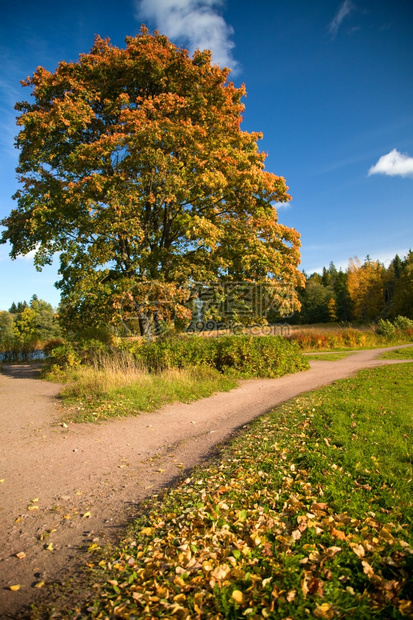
point(324, 611)
point(367, 569)
point(238, 596)
point(358, 550)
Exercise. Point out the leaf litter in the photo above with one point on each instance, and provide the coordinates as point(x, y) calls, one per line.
point(276, 529)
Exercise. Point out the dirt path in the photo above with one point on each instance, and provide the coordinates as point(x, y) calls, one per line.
point(71, 487)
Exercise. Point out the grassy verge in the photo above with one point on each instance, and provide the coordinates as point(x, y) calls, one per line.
point(96, 394)
point(308, 513)
point(328, 357)
point(344, 337)
point(398, 354)
point(344, 340)
point(104, 382)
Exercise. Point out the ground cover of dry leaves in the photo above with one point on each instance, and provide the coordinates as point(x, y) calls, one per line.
point(308, 513)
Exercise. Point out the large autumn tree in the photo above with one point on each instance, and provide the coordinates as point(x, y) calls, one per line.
point(134, 169)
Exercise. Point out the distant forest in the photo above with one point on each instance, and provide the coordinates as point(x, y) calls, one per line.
point(364, 293)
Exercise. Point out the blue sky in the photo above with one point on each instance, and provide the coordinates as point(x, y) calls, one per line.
point(329, 83)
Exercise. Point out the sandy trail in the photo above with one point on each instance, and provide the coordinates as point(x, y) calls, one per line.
point(73, 486)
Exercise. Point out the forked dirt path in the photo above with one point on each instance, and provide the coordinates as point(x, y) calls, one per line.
point(62, 489)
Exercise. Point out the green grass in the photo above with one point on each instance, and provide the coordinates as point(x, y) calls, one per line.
point(328, 357)
point(398, 354)
point(94, 395)
point(114, 383)
point(307, 513)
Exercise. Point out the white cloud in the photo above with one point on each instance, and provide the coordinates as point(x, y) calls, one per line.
point(28, 257)
point(394, 164)
point(195, 22)
point(342, 11)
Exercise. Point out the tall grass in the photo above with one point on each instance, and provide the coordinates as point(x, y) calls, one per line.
point(118, 385)
point(136, 376)
point(324, 339)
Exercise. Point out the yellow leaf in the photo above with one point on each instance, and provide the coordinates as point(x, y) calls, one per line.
point(39, 584)
point(146, 531)
point(2, 480)
point(180, 598)
point(86, 515)
point(405, 607)
point(179, 582)
point(324, 611)
point(358, 550)
point(20, 555)
point(49, 547)
point(15, 588)
point(384, 533)
point(161, 591)
point(319, 506)
point(220, 572)
point(238, 596)
point(32, 507)
point(290, 596)
point(367, 569)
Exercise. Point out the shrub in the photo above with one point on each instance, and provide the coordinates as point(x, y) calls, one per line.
point(246, 356)
point(91, 350)
point(401, 327)
point(50, 345)
point(64, 356)
point(242, 356)
point(402, 323)
point(176, 352)
point(386, 328)
point(266, 356)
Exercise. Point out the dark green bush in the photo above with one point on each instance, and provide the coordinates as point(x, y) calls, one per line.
point(400, 327)
point(246, 356)
point(176, 352)
point(243, 356)
point(265, 356)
